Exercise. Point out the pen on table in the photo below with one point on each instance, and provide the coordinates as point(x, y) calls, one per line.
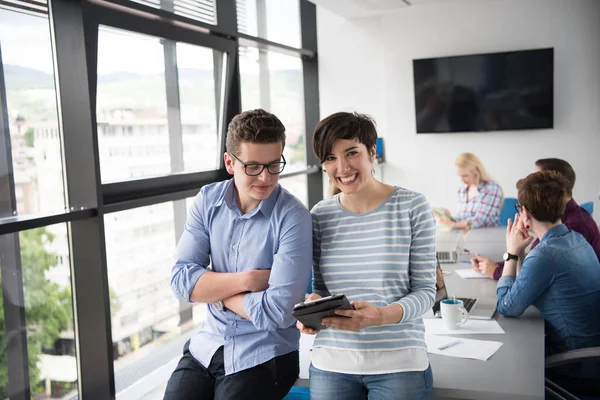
point(449, 344)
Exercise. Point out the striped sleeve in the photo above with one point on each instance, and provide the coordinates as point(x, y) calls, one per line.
point(422, 263)
point(318, 285)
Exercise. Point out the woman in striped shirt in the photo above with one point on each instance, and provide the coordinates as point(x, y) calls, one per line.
point(374, 243)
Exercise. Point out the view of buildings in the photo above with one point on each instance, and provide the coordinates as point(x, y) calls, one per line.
point(134, 142)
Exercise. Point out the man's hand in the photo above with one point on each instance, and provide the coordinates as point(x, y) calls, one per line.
point(300, 325)
point(517, 236)
point(484, 265)
point(256, 280)
point(364, 315)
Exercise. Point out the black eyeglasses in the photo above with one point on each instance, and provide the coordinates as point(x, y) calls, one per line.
point(518, 208)
point(255, 169)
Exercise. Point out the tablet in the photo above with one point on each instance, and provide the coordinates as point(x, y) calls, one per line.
point(310, 313)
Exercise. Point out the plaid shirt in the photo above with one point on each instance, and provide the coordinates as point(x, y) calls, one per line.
point(482, 210)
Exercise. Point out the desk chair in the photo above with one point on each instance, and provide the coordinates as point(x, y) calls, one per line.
point(553, 390)
point(508, 210)
point(589, 207)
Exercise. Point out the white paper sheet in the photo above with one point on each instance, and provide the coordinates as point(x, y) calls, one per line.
point(470, 274)
point(435, 326)
point(467, 348)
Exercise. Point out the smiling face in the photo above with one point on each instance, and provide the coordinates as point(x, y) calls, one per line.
point(466, 176)
point(253, 189)
point(349, 165)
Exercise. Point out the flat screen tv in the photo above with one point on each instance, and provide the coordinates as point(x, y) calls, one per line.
point(485, 92)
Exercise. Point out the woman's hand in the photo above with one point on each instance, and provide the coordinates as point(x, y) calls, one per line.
point(484, 265)
point(364, 315)
point(517, 236)
point(300, 325)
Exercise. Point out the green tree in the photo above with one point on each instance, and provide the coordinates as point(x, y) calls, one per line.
point(48, 309)
point(29, 137)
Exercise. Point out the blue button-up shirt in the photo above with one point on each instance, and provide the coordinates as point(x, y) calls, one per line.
point(276, 235)
point(560, 277)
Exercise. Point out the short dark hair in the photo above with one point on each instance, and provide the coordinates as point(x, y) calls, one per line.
point(254, 126)
point(343, 125)
point(544, 194)
point(561, 166)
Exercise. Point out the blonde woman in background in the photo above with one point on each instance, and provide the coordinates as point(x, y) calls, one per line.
point(479, 200)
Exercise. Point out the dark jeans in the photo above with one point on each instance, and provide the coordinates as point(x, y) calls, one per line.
point(268, 381)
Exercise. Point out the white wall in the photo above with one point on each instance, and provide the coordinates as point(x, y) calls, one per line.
point(366, 65)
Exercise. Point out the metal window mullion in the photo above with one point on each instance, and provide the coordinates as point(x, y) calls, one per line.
point(264, 81)
point(15, 328)
point(230, 99)
point(15, 325)
point(310, 72)
point(226, 13)
point(173, 106)
point(175, 145)
point(82, 177)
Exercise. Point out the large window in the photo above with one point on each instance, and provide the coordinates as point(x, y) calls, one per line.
point(273, 81)
point(43, 259)
point(157, 106)
point(103, 173)
point(32, 112)
point(274, 20)
point(149, 325)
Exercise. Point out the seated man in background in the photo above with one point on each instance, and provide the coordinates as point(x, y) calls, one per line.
point(258, 239)
point(575, 218)
point(560, 277)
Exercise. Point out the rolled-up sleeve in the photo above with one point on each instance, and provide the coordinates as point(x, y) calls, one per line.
point(515, 294)
point(193, 252)
point(422, 263)
point(272, 309)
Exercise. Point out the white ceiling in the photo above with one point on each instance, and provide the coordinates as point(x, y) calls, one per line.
point(366, 8)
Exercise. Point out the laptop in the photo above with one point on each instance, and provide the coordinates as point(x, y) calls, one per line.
point(476, 309)
point(451, 256)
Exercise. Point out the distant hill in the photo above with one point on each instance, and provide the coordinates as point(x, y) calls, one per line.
point(118, 76)
point(17, 77)
point(31, 92)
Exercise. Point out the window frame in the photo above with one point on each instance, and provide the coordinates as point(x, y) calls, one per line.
point(74, 35)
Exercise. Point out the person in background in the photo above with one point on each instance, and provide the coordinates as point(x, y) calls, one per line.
point(479, 201)
point(374, 243)
point(257, 238)
point(575, 218)
point(560, 277)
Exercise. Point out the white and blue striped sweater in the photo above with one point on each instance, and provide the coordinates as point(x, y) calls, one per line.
point(383, 256)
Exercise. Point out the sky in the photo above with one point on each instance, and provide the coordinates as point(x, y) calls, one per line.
point(25, 41)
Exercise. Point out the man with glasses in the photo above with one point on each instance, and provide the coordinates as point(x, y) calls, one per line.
point(257, 239)
point(575, 218)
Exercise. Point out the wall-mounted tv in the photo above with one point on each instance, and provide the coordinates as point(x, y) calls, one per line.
point(485, 92)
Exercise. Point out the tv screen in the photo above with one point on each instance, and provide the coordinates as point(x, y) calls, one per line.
point(485, 92)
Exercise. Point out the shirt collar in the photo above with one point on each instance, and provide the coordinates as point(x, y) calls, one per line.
point(266, 206)
point(558, 230)
point(465, 188)
point(570, 207)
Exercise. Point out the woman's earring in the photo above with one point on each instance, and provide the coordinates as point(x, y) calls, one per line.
point(373, 171)
point(330, 183)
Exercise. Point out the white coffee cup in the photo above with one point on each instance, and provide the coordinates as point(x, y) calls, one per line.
point(453, 313)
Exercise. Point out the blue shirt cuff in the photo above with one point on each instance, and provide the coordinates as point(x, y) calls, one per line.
point(190, 284)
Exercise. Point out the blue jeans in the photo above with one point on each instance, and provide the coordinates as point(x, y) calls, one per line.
point(416, 385)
